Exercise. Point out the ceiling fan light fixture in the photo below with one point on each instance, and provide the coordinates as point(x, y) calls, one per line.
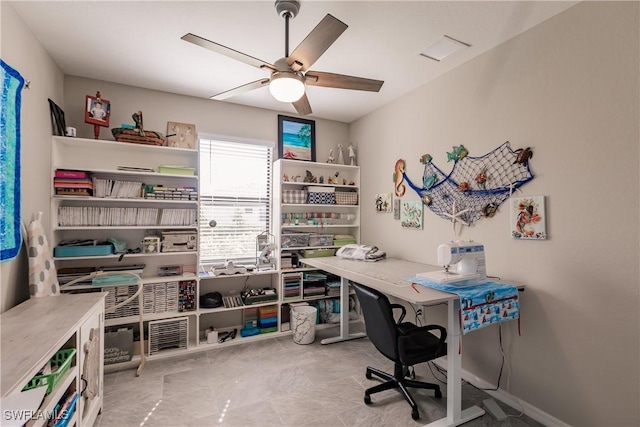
point(286, 86)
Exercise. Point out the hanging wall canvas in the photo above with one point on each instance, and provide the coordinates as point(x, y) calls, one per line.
point(296, 138)
point(528, 219)
point(396, 208)
point(383, 202)
point(10, 235)
point(181, 135)
point(411, 215)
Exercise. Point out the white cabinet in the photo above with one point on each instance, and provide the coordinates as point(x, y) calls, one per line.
point(41, 329)
point(144, 208)
point(312, 219)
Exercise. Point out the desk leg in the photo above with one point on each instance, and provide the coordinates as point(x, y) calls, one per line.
point(455, 414)
point(344, 317)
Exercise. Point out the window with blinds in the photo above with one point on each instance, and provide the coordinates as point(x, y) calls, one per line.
point(235, 192)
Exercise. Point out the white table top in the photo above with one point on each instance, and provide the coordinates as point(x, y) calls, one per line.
point(386, 275)
point(34, 330)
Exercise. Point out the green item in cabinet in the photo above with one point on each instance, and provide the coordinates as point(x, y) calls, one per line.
point(176, 170)
point(316, 253)
point(60, 362)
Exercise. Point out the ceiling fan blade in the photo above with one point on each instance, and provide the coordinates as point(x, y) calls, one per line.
point(317, 42)
point(342, 81)
point(240, 89)
point(227, 51)
point(302, 106)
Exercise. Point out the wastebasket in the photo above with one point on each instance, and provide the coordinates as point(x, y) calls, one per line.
point(304, 324)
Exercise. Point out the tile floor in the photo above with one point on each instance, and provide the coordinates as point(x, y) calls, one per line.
point(275, 382)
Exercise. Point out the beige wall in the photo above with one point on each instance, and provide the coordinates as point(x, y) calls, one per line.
point(569, 88)
point(22, 51)
point(212, 117)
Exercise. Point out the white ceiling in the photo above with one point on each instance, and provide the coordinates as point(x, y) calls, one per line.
point(138, 43)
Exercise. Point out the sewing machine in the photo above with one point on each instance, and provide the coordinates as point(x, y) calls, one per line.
point(470, 269)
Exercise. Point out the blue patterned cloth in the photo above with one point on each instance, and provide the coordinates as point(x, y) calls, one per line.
point(11, 91)
point(481, 305)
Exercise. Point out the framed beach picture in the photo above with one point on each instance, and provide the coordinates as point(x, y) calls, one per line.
point(296, 138)
point(528, 219)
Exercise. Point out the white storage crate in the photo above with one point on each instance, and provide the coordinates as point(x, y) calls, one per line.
point(168, 334)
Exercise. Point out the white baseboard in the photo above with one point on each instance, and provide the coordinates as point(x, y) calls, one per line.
point(506, 397)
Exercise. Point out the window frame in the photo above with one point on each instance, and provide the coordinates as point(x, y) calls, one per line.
point(207, 262)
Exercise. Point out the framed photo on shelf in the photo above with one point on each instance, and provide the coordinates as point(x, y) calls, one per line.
point(97, 111)
point(296, 138)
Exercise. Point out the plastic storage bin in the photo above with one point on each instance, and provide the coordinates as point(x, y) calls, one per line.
point(303, 319)
point(295, 240)
point(176, 170)
point(60, 362)
point(316, 253)
point(321, 240)
point(74, 251)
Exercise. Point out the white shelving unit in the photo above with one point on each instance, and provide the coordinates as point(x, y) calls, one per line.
point(332, 219)
point(102, 159)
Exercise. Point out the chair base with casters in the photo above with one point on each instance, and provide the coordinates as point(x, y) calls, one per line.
point(398, 380)
point(404, 343)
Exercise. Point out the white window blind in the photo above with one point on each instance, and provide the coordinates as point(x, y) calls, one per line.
point(235, 191)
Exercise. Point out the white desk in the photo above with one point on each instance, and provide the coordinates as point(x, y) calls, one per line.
point(387, 277)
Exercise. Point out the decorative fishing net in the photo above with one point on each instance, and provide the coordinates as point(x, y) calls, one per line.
point(479, 184)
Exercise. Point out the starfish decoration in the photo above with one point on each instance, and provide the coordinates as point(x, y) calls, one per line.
point(455, 216)
point(513, 188)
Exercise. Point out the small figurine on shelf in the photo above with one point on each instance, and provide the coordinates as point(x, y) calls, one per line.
point(334, 180)
point(340, 155)
point(137, 118)
point(331, 159)
point(285, 178)
point(352, 155)
point(321, 179)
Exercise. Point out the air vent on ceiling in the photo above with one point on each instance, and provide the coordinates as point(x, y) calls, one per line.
point(443, 48)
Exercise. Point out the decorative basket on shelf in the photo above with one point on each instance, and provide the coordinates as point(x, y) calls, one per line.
point(346, 198)
point(133, 136)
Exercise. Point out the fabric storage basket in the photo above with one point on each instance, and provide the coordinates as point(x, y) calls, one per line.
point(318, 195)
point(294, 196)
point(346, 198)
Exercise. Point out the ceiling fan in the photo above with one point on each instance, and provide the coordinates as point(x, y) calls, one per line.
point(290, 74)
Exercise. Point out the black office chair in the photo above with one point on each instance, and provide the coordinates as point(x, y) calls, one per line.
point(404, 343)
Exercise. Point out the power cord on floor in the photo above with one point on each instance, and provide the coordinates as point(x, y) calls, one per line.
point(504, 359)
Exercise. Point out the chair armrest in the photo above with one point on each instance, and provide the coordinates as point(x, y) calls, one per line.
point(420, 344)
point(402, 314)
point(443, 331)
